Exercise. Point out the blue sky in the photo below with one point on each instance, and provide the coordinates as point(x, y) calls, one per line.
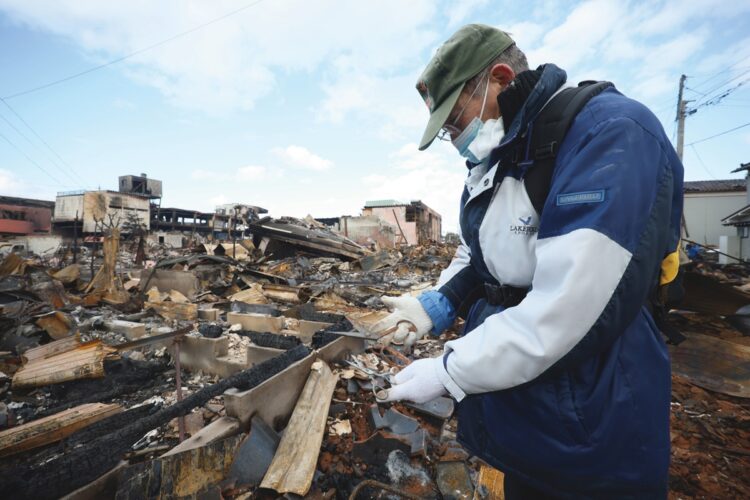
point(309, 106)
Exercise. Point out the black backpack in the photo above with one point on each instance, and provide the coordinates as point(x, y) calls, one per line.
point(549, 130)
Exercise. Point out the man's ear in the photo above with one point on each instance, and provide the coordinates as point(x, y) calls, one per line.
point(503, 74)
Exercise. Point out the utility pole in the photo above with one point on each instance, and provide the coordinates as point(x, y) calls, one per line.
point(681, 115)
point(681, 118)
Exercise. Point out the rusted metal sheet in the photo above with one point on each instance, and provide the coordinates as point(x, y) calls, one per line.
point(68, 274)
point(708, 295)
point(13, 264)
point(58, 325)
point(85, 361)
point(490, 484)
point(714, 364)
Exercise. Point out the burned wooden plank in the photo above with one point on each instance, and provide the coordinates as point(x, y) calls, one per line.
point(287, 294)
point(84, 361)
point(174, 310)
point(82, 465)
point(273, 340)
point(53, 348)
point(53, 428)
point(293, 466)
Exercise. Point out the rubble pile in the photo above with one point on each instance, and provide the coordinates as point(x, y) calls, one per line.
point(217, 371)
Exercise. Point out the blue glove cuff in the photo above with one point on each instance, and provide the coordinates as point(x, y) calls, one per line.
point(439, 309)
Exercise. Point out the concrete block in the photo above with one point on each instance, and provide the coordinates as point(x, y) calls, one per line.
point(305, 339)
point(166, 280)
point(273, 400)
point(201, 354)
point(341, 348)
point(308, 328)
point(225, 366)
point(258, 354)
point(256, 322)
point(130, 329)
point(209, 314)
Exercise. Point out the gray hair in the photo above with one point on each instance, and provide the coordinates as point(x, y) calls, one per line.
point(512, 56)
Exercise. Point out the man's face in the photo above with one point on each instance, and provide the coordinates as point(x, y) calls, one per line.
point(469, 103)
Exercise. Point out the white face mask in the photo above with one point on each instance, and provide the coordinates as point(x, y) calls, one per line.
point(488, 137)
point(478, 139)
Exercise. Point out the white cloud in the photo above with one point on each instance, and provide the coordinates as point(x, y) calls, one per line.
point(10, 185)
point(246, 173)
point(202, 174)
point(251, 173)
point(231, 64)
point(390, 105)
point(13, 184)
point(459, 10)
point(300, 157)
point(642, 46)
point(121, 103)
point(436, 177)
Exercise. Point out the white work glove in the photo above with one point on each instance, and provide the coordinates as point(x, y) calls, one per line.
point(418, 382)
point(408, 314)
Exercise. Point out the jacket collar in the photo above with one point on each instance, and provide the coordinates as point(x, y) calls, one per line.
point(550, 81)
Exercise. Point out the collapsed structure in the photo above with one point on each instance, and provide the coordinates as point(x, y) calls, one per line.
point(235, 367)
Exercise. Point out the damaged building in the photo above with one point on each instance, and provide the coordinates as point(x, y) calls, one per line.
point(24, 216)
point(230, 354)
point(417, 223)
point(252, 372)
point(86, 211)
point(389, 224)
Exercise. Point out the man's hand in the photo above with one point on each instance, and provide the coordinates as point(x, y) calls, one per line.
point(418, 382)
point(408, 316)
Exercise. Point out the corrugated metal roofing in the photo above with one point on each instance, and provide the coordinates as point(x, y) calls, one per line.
point(716, 186)
point(740, 218)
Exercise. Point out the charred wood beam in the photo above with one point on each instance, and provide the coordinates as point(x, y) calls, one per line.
point(84, 464)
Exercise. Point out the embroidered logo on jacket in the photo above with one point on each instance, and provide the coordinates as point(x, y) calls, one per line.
point(525, 227)
point(582, 197)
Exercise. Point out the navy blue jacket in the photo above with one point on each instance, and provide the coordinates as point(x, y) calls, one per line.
point(570, 389)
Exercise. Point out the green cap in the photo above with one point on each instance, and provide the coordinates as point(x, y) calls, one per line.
point(462, 56)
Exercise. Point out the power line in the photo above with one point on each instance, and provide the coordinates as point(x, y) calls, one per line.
point(717, 98)
point(80, 179)
point(724, 71)
point(131, 54)
point(32, 161)
point(727, 82)
point(701, 162)
point(720, 134)
point(29, 141)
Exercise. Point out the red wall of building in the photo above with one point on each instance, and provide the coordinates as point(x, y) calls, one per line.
point(24, 220)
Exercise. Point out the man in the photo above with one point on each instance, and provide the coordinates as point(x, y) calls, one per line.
point(562, 378)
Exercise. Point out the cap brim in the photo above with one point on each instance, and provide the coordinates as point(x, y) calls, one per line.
point(438, 117)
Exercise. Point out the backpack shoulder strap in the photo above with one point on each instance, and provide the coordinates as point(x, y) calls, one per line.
point(548, 132)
